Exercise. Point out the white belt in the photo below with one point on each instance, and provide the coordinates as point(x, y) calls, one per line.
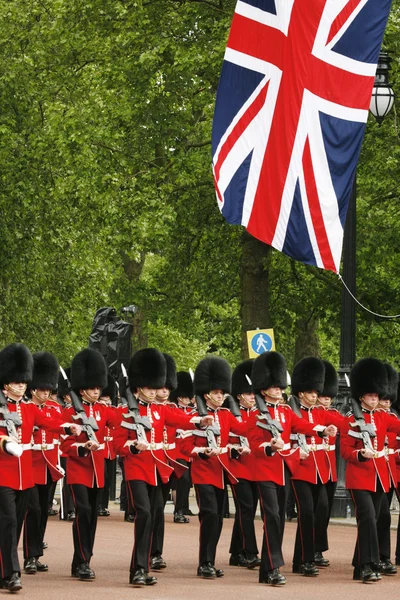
point(200, 449)
point(286, 447)
point(390, 451)
point(26, 446)
point(56, 442)
point(169, 446)
point(42, 447)
point(108, 439)
point(380, 453)
point(325, 447)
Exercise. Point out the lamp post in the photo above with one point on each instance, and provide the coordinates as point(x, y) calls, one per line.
point(382, 101)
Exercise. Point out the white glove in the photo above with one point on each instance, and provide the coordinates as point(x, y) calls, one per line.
point(13, 448)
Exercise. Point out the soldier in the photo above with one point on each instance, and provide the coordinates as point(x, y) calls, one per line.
point(85, 455)
point(17, 420)
point(162, 397)
point(108, 398)
point(212, 380)
point(139, 440)
point(327, 492)
point(367, 474)
point(315, 469)
point(67, 512)
point(270, 430)
point(182, 397)
point(46, 469)
point(243, 547)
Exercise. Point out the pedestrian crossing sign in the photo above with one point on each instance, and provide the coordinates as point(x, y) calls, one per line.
point(260, 341)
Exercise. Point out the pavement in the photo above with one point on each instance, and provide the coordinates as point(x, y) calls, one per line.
point(113, 548)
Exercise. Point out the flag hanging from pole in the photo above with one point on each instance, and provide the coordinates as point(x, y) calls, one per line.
point(289, 119)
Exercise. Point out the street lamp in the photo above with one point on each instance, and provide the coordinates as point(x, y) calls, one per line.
point(382, 101)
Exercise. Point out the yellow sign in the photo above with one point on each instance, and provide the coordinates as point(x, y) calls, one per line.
point(260, 341)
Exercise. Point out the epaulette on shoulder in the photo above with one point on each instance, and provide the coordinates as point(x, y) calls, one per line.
point(27, 401)
point(254, 409)
point(223, 408)
point(172, 404)
point(380, 410)
point(333, 409)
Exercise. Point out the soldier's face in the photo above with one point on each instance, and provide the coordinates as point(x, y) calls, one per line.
point(162, 395)
point(369, 401)
point(215, 398)
point(308, 398)
point(15, 390)
point(273, 394)
point(324, 401)
point(147, 394)
point(184, 401)
point(385, 403)
point(91, 394)
point(247, 400)
point(41, 395)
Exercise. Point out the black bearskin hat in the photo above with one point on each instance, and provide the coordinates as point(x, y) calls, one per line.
point(62, 388)
point(45, 371)
point(185, 388)
point(16, 364)
point(393, 383)
point(269, 370)
point(240, 384)
point(212, 373)
point(368, 376)
point(308, 374)
point(88, 370)
point(110, 389)
point(171, 380)
point(331, 382)
point(147, 368)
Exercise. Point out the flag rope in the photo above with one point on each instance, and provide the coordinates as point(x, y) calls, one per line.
point(362, 305)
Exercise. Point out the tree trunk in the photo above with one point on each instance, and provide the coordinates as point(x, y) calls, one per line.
point(254, 287)
point(133, 269)
point(307, 339)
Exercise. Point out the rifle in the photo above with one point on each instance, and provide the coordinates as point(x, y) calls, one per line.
point(366, 429)
point(11, 421)
point(212, 431)
point(140, 424)
point(235, 410)
point(271, 425)
point(89, 425)
point(300, 437)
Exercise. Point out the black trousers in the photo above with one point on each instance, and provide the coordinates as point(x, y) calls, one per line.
point(143, 500)
point(36, 519)
point(13, 507)
point(210, 501)
point(108, 474)
point(306, 495)
point(245, 496)
point(367, 506)
point(273, 504)
point(323, 514)
point(157, 539)
point(182, 486)
point(86, 502)
point(383, 525)
point(67, 503)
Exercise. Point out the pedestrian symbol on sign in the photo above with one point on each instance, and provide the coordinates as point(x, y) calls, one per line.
point(261, 343)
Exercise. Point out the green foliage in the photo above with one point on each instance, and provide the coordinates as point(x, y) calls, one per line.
point(107, 197)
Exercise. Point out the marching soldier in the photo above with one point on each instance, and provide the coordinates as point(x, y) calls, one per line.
point(209, 453)
point(327, 492)
point(315, 469)
point(108, 398)
point(67, 511)
point(139, 440)
point(363, 447)
point(46, 469)
point(17, 420)
point(85, 454)
point(243, 548)
point(162, 397)
point(182, 396)
point(270, 429)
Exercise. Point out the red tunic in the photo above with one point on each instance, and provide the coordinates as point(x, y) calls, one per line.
point(338, 421)
point(272, 468)
point(145, 465)
point(363, 474)
point(318, 463)
point(17, 472)
point(243, 466)
point(211, 470)
point(45, 445)
point(88, 470)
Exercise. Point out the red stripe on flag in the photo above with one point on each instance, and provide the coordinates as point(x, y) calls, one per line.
point(342, 17)
point(315, 211)
point(239, 128)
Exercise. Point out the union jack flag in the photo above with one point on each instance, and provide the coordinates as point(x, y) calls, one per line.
point(290, 116)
